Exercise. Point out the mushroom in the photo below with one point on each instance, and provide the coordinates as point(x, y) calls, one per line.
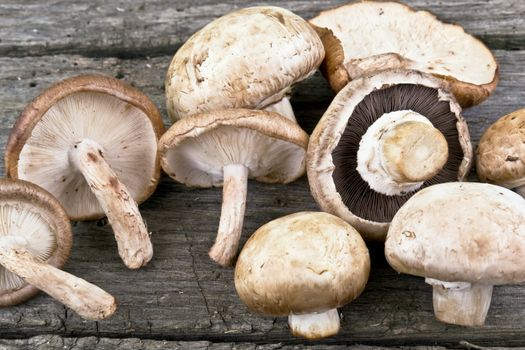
point(35, 241)
point(303, 266)
point(382, 138)
point(463, 238)
point(225, 148)
point(249, 58)
point(501, 153)
point(366, 37)
point(92, 142)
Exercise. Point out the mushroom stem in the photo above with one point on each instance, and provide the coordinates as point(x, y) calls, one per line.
point(86, 299)
point(282, 107)
point(520, 190)
point(232, 214)
point(315, 325)
point(134, 245)
point(461, 303)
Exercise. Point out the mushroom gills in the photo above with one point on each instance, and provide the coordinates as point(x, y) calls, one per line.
point(130, 231)
point(86, 299)
point(315, 325)
point(460, 303)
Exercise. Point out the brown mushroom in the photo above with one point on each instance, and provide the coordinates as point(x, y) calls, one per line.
point(35, 241)
point(249, 58)
point(92, 142)
point(227, 147)
point(501, 153)
point(382, 138)
point(365, 37)
point(303, 266)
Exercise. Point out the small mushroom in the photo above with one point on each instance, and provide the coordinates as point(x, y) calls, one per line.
point(383, 138)
point(303, 266)
point(225, 148)
point(35, 241)
point(365, 37)
point(92, 142)
point(501, 153)
point(249, 58)
point(463, 238)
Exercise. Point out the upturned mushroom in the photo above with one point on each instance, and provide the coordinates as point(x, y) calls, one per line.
point(92, 142)
point(369, 36)
point(304, 266)
point(501, 153)
point(463, 238)
point(249, 58)
point(35, 242)
point(383, 138)
point(225, 148)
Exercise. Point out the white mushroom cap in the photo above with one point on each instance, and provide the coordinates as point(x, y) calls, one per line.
point(195, 149)
point(33, 216)
point(371, 36)
point(301, 264)
point(246, 59)
point(460, 232)
point(124, 122)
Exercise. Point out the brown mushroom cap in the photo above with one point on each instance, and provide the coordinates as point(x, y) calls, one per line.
point(119, 117)
point(365, 37)
point(501, 151)
point(302, 263)
point(460, 232)
point(195, 149)
point(336, 184)
point(246, 59)
point(29, 211)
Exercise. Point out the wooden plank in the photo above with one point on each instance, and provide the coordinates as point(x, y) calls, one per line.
point(181, 295)
point(139, 28)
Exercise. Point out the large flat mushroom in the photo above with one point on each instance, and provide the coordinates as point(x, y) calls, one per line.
point(303, 266)
point(463, 238)
point(369, 36)
point(92, 142)
point(249, 58)
point(226, 148)
point(383, 138)
point(500, 156)
point(35, 242)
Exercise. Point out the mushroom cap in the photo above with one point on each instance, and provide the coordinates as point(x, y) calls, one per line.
point(369, 36)
point(501, 151)
point(219, 67)
point(124, 121)
point(30, 212)
point(195, 149)
point(460, 232)
point(326, 137)
point(302, 263)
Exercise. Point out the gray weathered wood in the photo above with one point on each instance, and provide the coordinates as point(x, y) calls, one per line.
point(147, 28)
point(181, 295)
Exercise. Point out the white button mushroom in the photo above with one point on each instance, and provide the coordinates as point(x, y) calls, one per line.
point(370, 36)
point(303, 266)
point(92, 142)
point(35, 241)
point(226, 148)
point(383, 138)
point(463, 238)
point(249, 58)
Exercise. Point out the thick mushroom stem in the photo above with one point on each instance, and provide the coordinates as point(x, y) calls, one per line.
point(461, 303)
point(315, 325)
point(86, 299)
point(133, 240)
point(282, 107)
point(232, 214)
point(413, 151)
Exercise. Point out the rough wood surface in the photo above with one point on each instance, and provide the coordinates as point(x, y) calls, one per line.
point(181, 295)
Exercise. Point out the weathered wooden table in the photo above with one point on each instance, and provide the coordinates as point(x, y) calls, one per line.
point(181, 299)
